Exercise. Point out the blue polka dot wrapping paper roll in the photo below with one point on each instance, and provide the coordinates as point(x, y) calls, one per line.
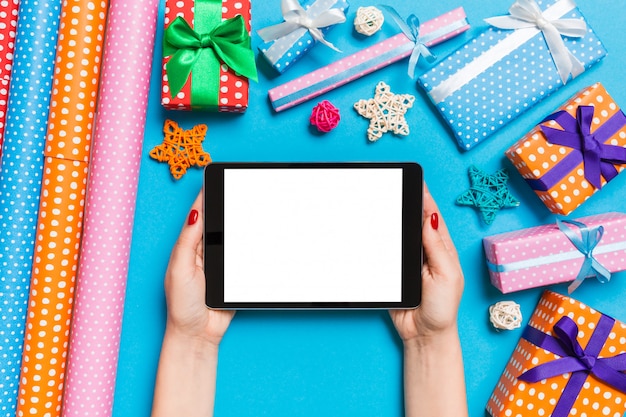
point(20, 179)
point(495, 77)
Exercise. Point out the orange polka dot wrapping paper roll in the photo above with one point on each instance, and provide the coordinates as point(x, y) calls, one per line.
point(213, 82)
point(8, 23)
point(569, 361)
point(574, 152)
point(59, 227)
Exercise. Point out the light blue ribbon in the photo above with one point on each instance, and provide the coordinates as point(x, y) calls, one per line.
point(411, 29)
point(585, 243)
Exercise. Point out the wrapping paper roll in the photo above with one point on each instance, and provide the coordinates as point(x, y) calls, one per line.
point(8, 23)
point(59, 227)
point(110, 208)
point(20, 179)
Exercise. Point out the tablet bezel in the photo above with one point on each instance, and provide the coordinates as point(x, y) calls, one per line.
point(412, 254)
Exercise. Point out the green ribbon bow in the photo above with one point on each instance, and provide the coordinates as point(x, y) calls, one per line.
point(228, 42)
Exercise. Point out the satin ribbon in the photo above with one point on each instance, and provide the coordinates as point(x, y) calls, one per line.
point(575, 360)
point(586, 242)
point(598, 158)
point(411, 29)
point(525, 14)
point(228, 41)
point(296, 17)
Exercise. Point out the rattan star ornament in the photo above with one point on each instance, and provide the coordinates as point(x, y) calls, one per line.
point(386, 112)
point(181, 148)
point(488, 193)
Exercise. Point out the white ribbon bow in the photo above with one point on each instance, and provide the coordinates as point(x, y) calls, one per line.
point(527, 14)
point(296, 17)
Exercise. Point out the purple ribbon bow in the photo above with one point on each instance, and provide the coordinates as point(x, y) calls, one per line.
point(598, 158)
point(573, 358)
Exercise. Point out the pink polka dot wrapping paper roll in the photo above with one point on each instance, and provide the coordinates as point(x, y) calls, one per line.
point(59, 227)
point(20, 179)
point(8, 24)
point(110, 208)
point(366, 61)
point(224, 90)
point(543, 255)
point(564, 390)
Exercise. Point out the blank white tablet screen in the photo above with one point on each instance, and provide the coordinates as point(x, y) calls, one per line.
point(313, 235)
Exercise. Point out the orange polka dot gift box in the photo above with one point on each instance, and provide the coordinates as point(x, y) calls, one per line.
point(573, 152)
point(570, 360)
point(207, 55)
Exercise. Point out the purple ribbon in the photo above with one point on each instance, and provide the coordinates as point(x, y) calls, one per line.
point(598, 158)
point(573, 358)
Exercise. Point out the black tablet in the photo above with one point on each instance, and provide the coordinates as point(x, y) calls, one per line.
point(313, 235)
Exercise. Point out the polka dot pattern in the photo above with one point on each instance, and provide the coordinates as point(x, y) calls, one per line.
point(286, 51)
point(20, 178)
point(534, 156)
point(507, 89)
point(233, 90)
point(512, 398)
point(8, 24)
point(110, 208)
point(59, 227)
point(542, 242)
point(359, 64)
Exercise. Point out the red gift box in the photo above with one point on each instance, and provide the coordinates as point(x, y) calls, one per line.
point(233, 88)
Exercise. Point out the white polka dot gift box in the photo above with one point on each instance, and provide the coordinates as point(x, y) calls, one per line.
point(8, 23)
point(516, 62)
point(573, 152)
point(568, 362)
point(302, 28)
point(568, 250)
point(207, 55)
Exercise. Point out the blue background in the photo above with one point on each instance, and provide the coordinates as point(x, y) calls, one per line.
point(348, 363)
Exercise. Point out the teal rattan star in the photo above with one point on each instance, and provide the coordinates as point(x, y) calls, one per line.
point(488, 193)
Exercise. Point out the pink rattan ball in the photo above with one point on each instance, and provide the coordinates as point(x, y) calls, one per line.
point(325, 116)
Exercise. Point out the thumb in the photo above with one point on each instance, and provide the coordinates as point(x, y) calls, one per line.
point(186, 248)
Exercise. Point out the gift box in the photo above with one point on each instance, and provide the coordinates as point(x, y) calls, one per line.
point(569, 361)
point(570, 250)
point(501, 73)
point(287, 42)
point(572, 153)
point(380, 55)
point(207, 57)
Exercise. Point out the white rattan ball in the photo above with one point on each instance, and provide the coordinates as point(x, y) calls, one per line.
point(368, 20)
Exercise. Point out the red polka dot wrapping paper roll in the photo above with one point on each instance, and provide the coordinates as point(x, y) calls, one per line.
point(576, 393)
point(59, 227)
point(231, 90)
point(110, 209)
point(8, 23)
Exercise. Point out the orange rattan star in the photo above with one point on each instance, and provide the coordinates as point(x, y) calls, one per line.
point(181, 148)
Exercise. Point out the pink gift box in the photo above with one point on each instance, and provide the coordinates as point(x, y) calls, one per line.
point(544, 255)
point(368, 60)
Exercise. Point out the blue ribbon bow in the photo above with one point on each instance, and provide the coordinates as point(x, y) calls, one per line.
point(411, 29)
point(581, 362)
point(585, 243)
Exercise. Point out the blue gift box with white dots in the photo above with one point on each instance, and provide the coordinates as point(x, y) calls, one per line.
point(490, 97)
point(282, 53)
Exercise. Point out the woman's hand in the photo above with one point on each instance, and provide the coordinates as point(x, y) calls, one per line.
point(442, 283)
point(187, 314)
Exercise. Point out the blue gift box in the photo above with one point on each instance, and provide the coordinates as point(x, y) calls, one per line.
point(497, 76)
point(282, 53)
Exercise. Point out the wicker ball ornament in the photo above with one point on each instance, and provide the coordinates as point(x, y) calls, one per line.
point(325, 116)
point(368, 20)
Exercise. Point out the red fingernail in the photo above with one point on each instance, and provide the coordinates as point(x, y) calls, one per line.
point(434, 220)
point(193, 217)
